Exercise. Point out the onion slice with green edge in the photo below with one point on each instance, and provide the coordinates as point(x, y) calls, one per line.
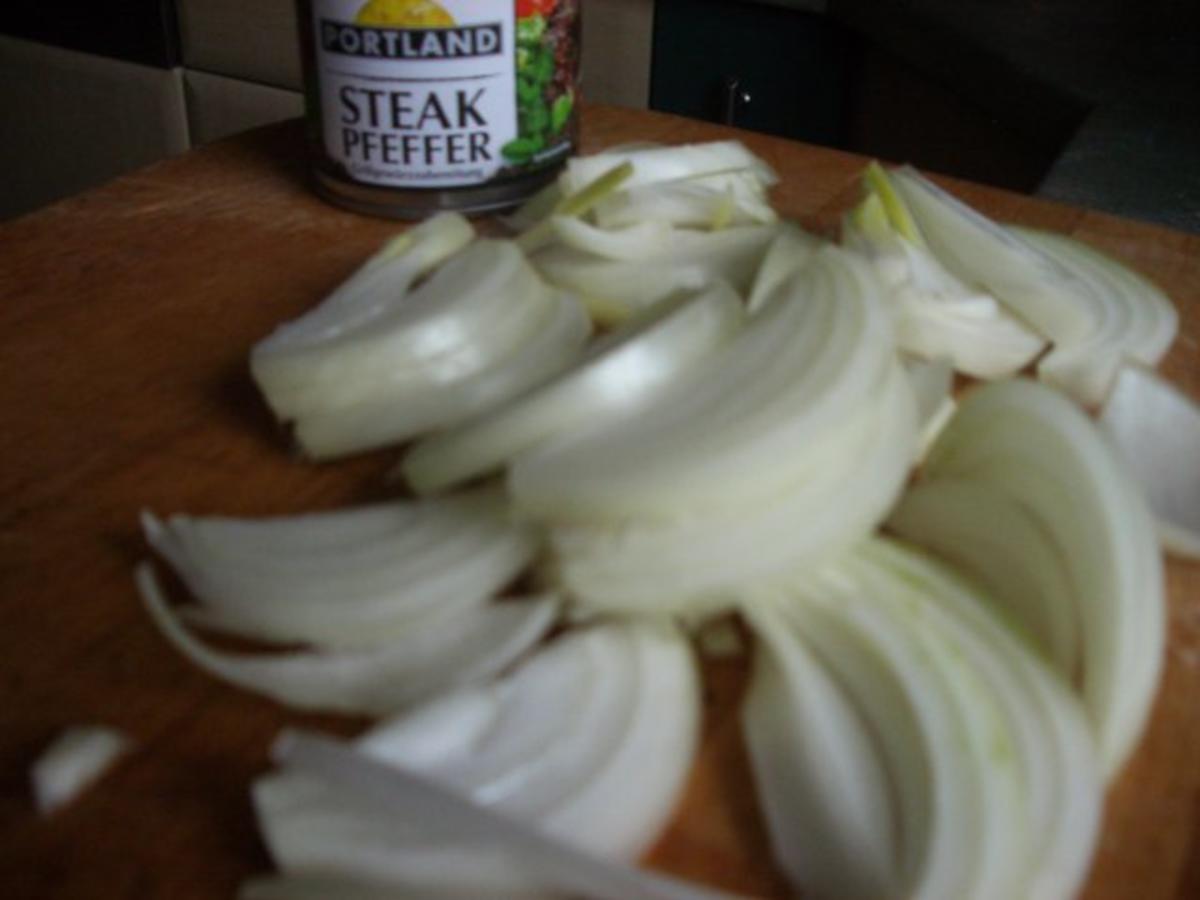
point(698, 564)
point(994, 539)
point(789, 252)
point(618, 372)
point(345, 578)
point(738, 427)
point(1060, 778)
point(937, 315)
point(1094, 311)
point(817, 771)
point(886, 668)
point(616, 289)
point(1156, 430)
point(653, 165)
point(1034, 445)
point(591, 738)
point(709, 201)
point(641, 241)
point(439, 651)
point(373, 289)
point(547, 348)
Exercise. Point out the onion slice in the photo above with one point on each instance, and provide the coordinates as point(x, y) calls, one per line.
point(740, 426)
point(438, 652)
point(591, 739)
point(1038, 448)
point(1156, 430)
point(545, 349)
point(396, 791)
point(1094, 311)
point(818, 773)
point(345, 578)
point(619, 372)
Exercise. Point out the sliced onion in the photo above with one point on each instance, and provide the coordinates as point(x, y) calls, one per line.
point(76, 759)
point(933, 384)
point(708, 201)
point(351, 577)
point(937, 315)
point(1060, 778)
point(372, 291)
point(693, 259)
point(591, 740)
point(994, 539)
point(1095, 313)
point(1156, 430)
point(547, 348)
point(620, 372)
point(439, 651)
point(658, 164)
point(699, 563)
point(818, 773)
point(789, 252)
point(481, 325)
point(1034, 445)
point(1136, 321)
point(641, 241)
point(737, 428)
point(925, 741)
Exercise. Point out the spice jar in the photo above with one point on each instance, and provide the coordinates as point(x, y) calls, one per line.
point(415, 106)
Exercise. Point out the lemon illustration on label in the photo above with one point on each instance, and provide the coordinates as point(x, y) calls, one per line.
point(404, 14)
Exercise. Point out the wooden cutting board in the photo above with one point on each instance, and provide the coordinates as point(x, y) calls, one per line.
point(126, 315)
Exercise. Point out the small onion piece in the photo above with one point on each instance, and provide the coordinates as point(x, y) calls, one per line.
point(590, 739)
point(933, 387)
point(1156, 430)
point(351, 577)
point(710, 201)
point(1037, 447)
point(619, 372)
point(75, 760)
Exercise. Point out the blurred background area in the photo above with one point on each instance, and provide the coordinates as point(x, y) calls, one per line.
point(1093, 102)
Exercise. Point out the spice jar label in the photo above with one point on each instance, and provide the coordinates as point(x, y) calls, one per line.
point(421, 94)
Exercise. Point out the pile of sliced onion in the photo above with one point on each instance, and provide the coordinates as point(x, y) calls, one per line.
point(590, 740)
point(912, 734)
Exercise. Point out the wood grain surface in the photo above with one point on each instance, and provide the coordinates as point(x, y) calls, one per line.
point(126, 315)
